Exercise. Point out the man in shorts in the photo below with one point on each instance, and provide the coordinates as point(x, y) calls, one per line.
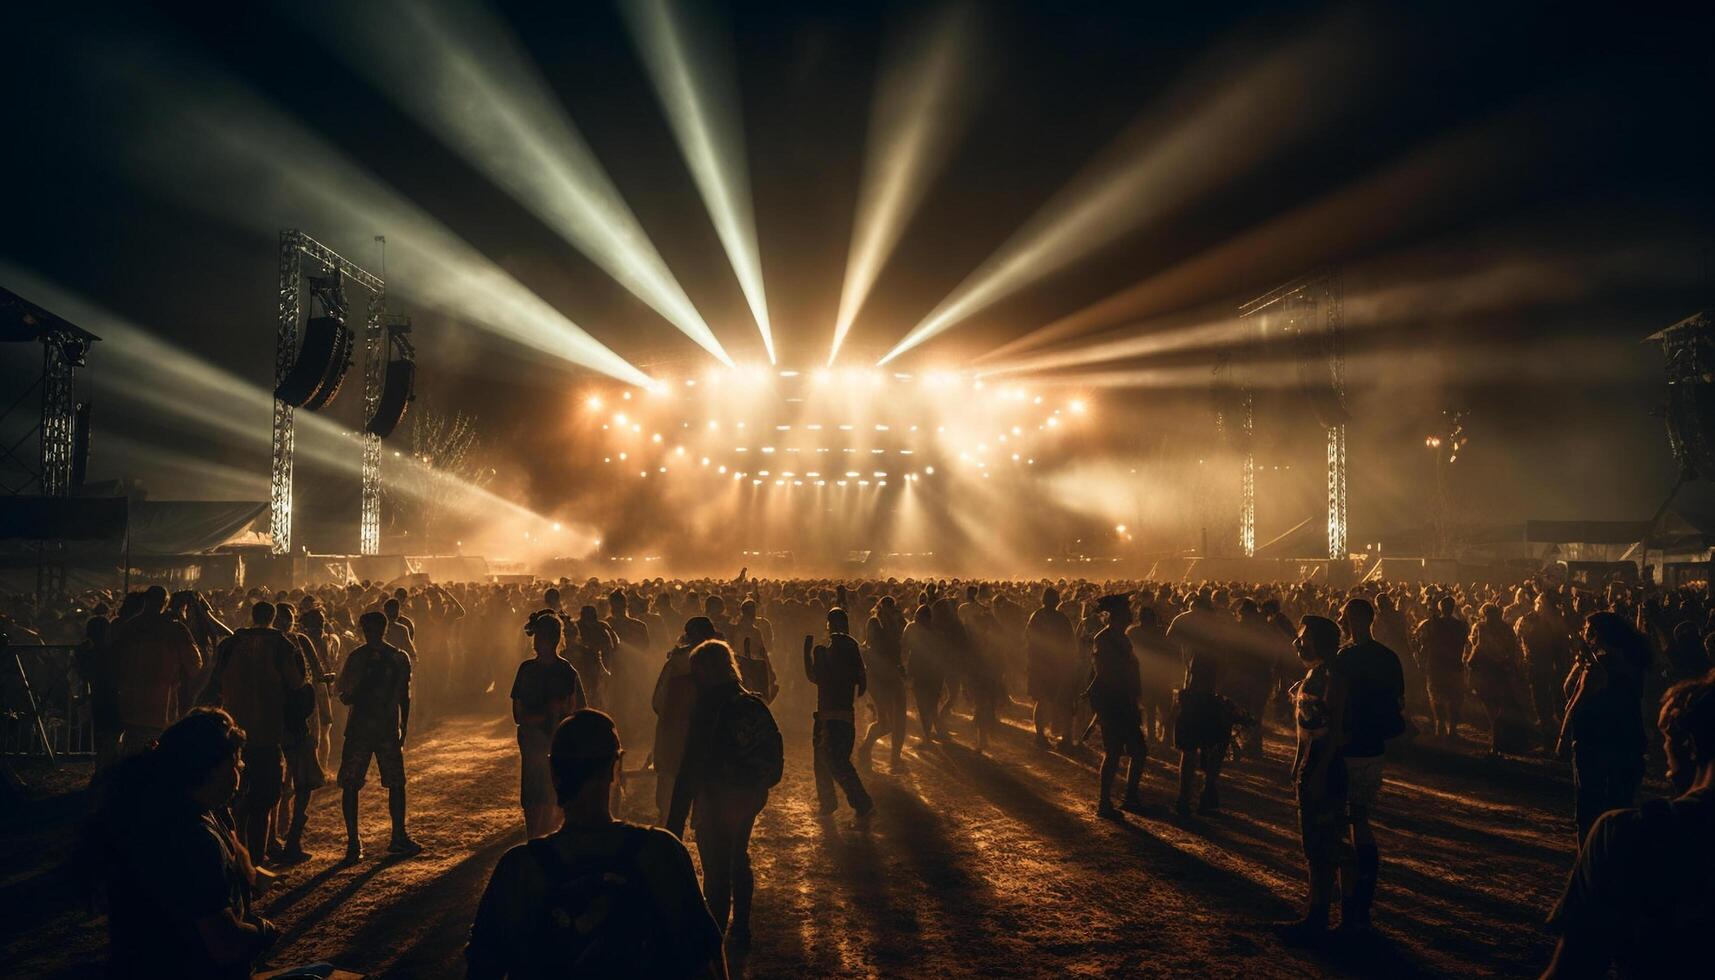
point(376, 685)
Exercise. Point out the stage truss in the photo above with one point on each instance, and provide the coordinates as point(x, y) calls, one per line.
point(295, 249)
point(1311, 311)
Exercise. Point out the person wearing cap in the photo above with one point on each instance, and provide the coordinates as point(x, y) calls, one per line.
point(675, 697)
point(524, 926)
point(1114, 693)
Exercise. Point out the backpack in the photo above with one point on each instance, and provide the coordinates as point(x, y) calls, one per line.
point(599, 918)
point(750, 749)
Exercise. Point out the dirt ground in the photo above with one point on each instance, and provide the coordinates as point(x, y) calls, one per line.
point(975, 865)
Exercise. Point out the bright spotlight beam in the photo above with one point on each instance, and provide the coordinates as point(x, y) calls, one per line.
point(921, 107)
point(700, 97)
point(1164, 163)
point(208, 142)
point(461, 74)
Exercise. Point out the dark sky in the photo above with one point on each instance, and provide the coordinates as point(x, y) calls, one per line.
point(1568, 141)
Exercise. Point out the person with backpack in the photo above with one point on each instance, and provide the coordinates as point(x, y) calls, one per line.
point(1375, 712)
point(733, 758)
point(837, 671)
point(599, 897)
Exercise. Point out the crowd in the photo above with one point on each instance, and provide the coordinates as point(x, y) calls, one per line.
point(216, 715)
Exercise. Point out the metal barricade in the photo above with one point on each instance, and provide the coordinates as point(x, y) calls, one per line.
point(43, 697)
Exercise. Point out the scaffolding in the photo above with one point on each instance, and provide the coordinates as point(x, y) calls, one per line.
point(296, 248)
point(1310, 312)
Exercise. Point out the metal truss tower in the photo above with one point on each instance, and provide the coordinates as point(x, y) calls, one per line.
point(1310, 312)
point(295, 248)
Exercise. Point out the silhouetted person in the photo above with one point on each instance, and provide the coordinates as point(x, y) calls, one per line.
point(94, 660)
point(885, 667)
point(1158, 668)
point(257, 672)
point(155, 662)
point(926, 669)
point(375, 685)
point(599, 897)
point(179, 882)
point(1642, 898)
point(734, 757)
point(1547, 648)
point(1604, 728)
point(1319, 774)
point(1051, 669)
point(1114, 693)
point(304, 773)
point(750, 645)
point(675, 697)
point(592, 646)
point(1441, 653)
point(1374, 713)
point(837, 671)
point(546, 690)
point(1493, 664)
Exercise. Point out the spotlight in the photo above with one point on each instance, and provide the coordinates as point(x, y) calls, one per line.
point(1119, 528)
point(1053, 421)
point(626, 396)
point(930, 470)
point(678, 450)
point(594, 403)
point(622, 457)
point(713, 425)
point(620, 419)
point(722, 470)
point(656, 438)
point(705, 458)
point(821, 376)
point(1077, 406)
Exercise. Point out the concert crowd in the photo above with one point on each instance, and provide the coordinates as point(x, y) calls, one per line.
point(216, 715)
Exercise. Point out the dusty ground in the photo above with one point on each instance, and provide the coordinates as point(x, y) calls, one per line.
point(975, 865)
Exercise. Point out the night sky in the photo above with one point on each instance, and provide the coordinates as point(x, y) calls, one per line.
point(1522, 190)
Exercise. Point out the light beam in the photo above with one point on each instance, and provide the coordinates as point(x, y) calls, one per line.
point(210, 143)
point(701, 100)
point(460, 73)
point(1233, 125)
point(920, 109)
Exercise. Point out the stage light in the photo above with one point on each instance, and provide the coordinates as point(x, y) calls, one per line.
point(1017, 431)
point(1015, 457)
point(767, 449)
point(930, 470)
point(839, 483)
point(875, 378)
point(643, 473)
point(812, 475)
point(663, 469)
point(701, 100)
point(783, 428)
point(1078, 407)
point(879, 474)
point(678, 450)
point(851, 473)
point(557, 526)
point(705, 461)
point(622, 457)
point(789, 374)
point(713, 425)
point(880, 428)
point(1119, 528)
point(607, 459)
point(821, 376)
point(1053, 422)
point(797, 483)
point(756, 483)
point(814, 427)
point(625, 395)
point(741, 425)
point(594, 402)
point(658, 388)
point(721, 470)
point(846, 428)
point(863, 483)
point(906, 452)
point(761, 472)
point(779, 483)
point(656, 438)
point(821, 483)
point(877, 452)
point(788, 474)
